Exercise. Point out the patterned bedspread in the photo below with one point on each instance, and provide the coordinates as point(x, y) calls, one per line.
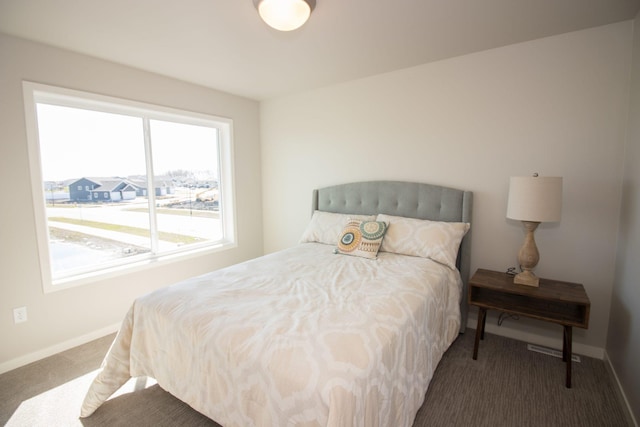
point(299, 337)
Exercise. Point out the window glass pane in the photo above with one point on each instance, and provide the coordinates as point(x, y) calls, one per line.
point(121, 183)
point(187, 183)
point(96, 209)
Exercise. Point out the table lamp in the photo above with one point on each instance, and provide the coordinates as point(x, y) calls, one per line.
point(533, 200)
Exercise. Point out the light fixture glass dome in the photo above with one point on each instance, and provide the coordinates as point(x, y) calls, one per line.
point(284, 15)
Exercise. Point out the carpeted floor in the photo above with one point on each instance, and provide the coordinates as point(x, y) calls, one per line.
point(507, 386)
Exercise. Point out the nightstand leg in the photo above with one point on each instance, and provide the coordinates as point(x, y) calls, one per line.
point(482, 314)
point(566, 352)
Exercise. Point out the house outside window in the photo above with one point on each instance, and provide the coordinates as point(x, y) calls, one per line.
point(165, 177)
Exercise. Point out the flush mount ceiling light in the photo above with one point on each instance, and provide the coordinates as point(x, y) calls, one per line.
point(285, 15)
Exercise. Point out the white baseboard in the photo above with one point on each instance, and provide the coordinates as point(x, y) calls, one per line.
point(50, 351)
point(555, 343)
point(629, 412)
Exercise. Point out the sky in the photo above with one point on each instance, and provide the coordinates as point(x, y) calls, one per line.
point(76, 143)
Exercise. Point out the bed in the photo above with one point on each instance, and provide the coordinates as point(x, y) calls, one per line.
point(326, 333)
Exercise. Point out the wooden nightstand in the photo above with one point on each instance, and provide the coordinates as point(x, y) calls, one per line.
point(553, 301)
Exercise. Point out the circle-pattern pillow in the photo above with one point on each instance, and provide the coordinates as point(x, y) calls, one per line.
point(362, 238)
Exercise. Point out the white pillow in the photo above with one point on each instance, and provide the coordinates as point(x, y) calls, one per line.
point(435, 240)
point(326, 227)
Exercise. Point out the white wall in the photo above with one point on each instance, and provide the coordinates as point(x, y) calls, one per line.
point(556, 106)
point(66, 317)
point(623, 341)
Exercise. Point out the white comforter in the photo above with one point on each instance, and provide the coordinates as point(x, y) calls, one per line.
point(299, 337)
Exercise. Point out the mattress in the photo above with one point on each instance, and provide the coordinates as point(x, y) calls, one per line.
point(299, 337)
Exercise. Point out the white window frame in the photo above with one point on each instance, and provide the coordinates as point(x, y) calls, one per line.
point(34, 93)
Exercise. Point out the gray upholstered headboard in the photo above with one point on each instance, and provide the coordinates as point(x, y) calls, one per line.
point(407, 199)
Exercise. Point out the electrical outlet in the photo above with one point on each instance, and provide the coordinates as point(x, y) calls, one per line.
point(19, 315)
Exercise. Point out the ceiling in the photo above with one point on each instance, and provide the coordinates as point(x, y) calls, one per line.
point(223, 44)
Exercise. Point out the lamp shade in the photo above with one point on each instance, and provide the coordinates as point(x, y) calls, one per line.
point(285, 15)
point(536, 199)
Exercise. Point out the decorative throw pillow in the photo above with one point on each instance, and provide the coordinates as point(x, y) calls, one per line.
point(435, 240)
point(362, 238)
point(325, 227)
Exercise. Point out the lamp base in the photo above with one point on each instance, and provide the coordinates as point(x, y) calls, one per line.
point(526, 278)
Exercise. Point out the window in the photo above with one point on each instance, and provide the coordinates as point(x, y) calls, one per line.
point(119, 184)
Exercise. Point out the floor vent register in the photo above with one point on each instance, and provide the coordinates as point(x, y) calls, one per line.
point(551, 352)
